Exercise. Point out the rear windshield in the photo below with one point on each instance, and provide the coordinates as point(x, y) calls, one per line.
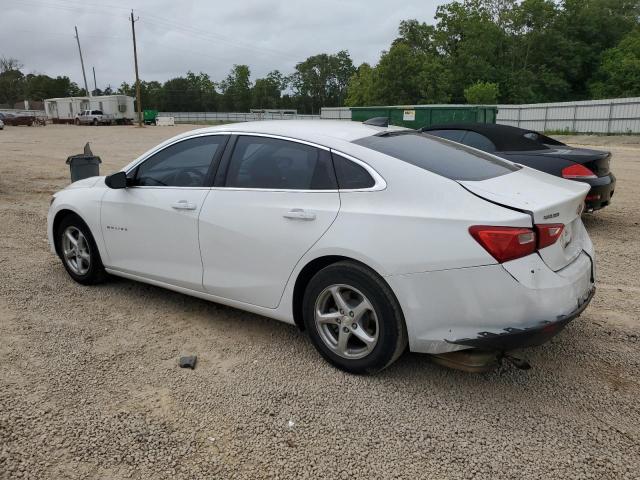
point(448, 159)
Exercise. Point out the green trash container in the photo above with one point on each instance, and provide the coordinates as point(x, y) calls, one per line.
point(418, 116)
point(84, 165)
point(149, 117)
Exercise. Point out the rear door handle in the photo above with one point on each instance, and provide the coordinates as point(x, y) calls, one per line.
point(183, 205)
point(299, 214)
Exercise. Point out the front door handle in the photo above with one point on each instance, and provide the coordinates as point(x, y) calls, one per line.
point(299, 214)
point(183, 205)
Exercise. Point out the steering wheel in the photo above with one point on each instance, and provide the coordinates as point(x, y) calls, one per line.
point(189, 177)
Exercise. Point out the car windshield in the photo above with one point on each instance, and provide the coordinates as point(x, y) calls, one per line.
point(448, 159)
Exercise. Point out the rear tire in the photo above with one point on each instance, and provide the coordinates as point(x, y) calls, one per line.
point(78, 251)
point(95, 122)
point(353, 318)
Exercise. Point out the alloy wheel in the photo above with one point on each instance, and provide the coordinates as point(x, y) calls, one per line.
point(346, 321)
point(76, 252)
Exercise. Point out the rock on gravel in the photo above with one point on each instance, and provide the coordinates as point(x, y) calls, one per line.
point(89, 384)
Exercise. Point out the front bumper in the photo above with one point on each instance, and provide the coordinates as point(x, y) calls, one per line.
point(513, 338)
point(602, 189)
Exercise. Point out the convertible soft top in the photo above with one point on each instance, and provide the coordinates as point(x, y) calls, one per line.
point(505, 137)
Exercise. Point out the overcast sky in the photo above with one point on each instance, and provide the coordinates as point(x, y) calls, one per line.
point(175, 36)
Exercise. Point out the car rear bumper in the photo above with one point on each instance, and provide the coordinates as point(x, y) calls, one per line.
point(457, 309)
point(513, 338)
point(602, 189)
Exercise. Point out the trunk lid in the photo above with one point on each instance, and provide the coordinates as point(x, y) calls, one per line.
point(549, 200)
point(597, 161)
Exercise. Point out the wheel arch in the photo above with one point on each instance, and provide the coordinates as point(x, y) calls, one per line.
point(313, 267)
point(57, 219)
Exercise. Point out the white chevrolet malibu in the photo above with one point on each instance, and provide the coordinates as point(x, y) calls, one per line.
point(368, 238)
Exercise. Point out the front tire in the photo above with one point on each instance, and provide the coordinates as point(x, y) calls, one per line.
point(79, 252)
point(353, 318)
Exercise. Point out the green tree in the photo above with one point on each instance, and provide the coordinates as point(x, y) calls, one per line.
point(236, 89)
point(362, 88)
point(619, 72)
point(11, 81)
point(321, 80)
point(267, 92)
point(482, 93)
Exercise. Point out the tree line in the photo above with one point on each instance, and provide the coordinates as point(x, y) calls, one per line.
point(476, 51)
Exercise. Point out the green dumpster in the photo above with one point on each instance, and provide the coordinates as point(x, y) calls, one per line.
point(149, 117)
point(417, 116)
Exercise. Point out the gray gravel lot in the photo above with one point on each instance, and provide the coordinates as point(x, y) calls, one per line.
point(90, 388)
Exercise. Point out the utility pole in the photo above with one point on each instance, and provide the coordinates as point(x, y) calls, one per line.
point(86, 87)
point(95, 84)
point(135, 60)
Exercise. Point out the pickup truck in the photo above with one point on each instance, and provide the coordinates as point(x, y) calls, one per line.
point(94, 117)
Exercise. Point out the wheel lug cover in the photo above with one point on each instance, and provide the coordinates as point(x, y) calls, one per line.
point(345, 329)
point(351, 314)
point(354, 325)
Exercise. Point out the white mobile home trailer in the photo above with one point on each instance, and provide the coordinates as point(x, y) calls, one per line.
point(64, 110)
point(120, 106)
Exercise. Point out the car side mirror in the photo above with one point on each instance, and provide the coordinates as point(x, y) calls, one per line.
point(116, 180)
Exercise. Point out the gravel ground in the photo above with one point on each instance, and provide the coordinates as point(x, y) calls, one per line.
point(90, 388)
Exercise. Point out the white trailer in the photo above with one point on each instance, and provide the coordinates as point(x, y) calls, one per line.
point(120, 106)
point(64, 110)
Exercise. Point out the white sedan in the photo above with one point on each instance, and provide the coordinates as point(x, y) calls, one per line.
point(369, 238)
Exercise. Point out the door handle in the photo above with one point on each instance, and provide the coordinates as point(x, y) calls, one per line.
point(183, 205)
point(299, 214)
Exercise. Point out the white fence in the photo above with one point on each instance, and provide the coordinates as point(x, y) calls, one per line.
point(203, 117)
point(619, 115)
point(335, 113)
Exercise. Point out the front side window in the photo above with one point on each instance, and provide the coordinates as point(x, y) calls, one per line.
point(450, 160)
point(263, 162)
point(183, 164)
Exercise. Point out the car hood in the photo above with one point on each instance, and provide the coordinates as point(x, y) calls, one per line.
point(85, 183)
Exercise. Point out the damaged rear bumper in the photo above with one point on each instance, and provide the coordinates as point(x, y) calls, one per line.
point(513, 338)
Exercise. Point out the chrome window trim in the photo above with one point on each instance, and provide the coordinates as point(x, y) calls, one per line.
point(379, 181)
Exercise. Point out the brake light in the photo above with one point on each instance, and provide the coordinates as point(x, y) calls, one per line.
point(548, 233)
point(505, 243)
point(577, 172)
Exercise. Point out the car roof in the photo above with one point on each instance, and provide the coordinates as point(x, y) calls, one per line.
point(504, 137)
point(318, 131)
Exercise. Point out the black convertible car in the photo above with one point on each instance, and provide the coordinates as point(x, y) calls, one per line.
point(538, 151)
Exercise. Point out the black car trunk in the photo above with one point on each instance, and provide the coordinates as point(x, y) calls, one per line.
point(595, 160)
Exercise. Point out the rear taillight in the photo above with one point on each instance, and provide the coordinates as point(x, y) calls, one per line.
point(548, 233)
point(509, 243)
point(577, 172)
point(505, 243)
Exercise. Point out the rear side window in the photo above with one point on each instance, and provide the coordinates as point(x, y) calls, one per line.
point(475, 140)
point(453, 161)
point(263, 162)
point(350, 174)
point(96, 112)
point(453, 135)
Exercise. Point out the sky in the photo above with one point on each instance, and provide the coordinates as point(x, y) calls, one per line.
point(175, 36)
